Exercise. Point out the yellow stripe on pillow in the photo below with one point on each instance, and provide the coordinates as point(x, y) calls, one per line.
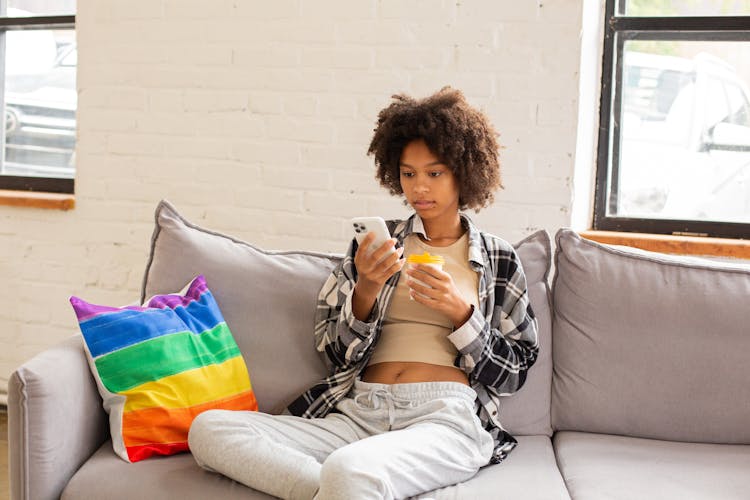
point(187, 388)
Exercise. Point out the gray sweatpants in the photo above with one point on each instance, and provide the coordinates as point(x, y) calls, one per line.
point(388, 441)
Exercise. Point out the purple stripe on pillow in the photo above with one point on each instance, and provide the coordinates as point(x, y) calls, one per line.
point(197, 288)
point(85, 311)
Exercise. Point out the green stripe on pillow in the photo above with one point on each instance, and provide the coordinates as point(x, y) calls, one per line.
point(186, 351)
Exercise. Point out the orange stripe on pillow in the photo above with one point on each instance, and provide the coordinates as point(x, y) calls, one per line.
point(163, 425)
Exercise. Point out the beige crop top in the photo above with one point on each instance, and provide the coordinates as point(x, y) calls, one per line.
point(414, 332)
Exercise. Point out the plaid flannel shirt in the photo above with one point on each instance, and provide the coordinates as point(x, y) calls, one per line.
point(496, 346)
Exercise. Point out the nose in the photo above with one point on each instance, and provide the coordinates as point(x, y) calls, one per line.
point(420, 186)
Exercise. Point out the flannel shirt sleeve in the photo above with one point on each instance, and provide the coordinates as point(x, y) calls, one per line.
point(499, 352)
point(338, 334)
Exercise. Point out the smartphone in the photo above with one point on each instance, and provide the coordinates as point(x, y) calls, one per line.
point(364, 225)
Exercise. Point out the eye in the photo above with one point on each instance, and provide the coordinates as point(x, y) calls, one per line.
point(436, 174)
point(407, 174)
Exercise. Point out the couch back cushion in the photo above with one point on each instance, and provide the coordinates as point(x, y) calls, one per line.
point(268, 300)
point(649, 345)
point(527, 412)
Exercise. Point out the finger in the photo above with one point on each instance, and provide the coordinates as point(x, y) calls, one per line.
point(392, 258)
point(362, 249)
point(433, 271)
point(390, 265)
point(368, 267)
point(364, 245)
point(363, 264)
point(423, 275)
point(422, 299)
point(384, 249)
point(395, 267)
point(419, 288)
point(386, 267)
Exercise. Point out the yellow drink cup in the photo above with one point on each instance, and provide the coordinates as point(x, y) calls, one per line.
point(427, 259)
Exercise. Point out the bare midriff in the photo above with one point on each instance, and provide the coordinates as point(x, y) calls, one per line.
point(404, 372)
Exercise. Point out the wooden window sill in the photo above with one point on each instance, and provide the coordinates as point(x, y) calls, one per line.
point(684, 245)
point(33, 199)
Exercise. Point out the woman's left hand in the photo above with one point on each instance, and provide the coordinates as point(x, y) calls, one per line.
point(440, 293)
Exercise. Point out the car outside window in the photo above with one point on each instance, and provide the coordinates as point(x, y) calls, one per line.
point(39, 99)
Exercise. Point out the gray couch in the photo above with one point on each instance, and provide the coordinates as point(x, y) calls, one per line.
point(645, 392)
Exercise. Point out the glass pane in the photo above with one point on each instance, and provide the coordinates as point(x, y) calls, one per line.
point(684, 131)
point(22, 8)
point(40, 103)
point(686, 7)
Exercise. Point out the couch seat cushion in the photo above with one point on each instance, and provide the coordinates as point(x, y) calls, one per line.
point(106, 477)
point(597, 466)
point(529, 473)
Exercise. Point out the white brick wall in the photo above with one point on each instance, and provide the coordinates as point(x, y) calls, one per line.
point(254, 117)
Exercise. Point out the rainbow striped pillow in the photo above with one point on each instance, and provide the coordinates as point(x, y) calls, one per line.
point(158, 366)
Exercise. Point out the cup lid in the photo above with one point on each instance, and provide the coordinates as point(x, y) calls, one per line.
point(425, 258)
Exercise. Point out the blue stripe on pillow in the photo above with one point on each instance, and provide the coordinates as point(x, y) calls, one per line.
point(110, 332)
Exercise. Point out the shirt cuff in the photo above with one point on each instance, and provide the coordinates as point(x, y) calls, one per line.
point(465, 336)
point(363, 328)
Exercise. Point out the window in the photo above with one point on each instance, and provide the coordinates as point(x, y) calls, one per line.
point(674, 137)
point(38, 61)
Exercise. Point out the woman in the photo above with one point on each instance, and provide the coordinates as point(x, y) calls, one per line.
point(417, 366)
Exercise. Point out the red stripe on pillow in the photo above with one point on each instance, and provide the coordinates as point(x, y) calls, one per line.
point(138, 453)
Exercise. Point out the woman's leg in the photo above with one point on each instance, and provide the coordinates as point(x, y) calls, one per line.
point(435, 442)
point(277, 454)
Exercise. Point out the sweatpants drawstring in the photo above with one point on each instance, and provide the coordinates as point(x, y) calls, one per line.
point(375, 395)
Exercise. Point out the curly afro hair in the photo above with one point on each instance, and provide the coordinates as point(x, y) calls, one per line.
point(459, 135)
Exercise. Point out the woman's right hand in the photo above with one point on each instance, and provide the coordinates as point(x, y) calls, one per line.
point(373, 270)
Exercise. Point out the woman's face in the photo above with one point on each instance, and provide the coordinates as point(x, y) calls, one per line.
point(428, 184)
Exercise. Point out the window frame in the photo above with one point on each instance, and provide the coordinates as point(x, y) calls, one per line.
point(30, 183)
point(618, 29)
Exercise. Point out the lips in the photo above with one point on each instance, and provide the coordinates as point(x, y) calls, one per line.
point(423, 204)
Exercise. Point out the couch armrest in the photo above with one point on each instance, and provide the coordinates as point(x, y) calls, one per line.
point(55, 421)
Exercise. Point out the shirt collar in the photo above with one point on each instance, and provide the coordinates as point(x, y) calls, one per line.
point(414, 224)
